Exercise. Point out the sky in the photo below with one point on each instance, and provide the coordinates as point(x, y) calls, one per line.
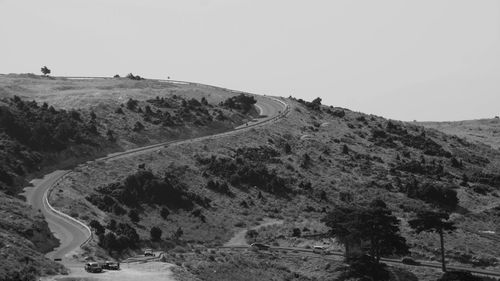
point(425, 60)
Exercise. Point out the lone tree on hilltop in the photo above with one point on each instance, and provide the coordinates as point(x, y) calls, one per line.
point(45, 70)
point(430, 221)
point(374, 226)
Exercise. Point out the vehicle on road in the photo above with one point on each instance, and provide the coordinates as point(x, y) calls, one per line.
point(111, 265)
point(320, 250)
point(409, 261)
point(148, 252)
point(93, 267)
point(260, 246)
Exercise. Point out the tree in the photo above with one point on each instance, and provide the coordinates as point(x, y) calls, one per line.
point(373, 225)
point(155, 233)
point(108, 241)
point(315, 104)
point(134, 216)
point(430, 221)
point(459, 276)
point(178, 233)
point(252, 234)
point(296, 232)
point(98, 228)
point(345, 149)
point(45, 70)
point(164, 213)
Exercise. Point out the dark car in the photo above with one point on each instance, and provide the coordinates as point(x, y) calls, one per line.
point(111, 265)
point(410, 261)
point(260, 246)
point(93, 267)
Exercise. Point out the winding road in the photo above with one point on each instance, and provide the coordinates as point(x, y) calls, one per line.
point(73, 233)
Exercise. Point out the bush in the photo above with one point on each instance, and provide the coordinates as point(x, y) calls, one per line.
point(155, 233)
point(241, 102)
point(134, 216)
point(138, 127)
point(441, 196)
point(164, 213)
point(132, 104)
point(459, 276)
point(144, 187)
point(98, 228)
point(219, 187)
point(134, 77)
point(366, 268)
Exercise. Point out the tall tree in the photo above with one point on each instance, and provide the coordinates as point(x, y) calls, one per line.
point(374, 225)
point(430, 221)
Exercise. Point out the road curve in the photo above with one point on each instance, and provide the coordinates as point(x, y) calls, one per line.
point(73, 233)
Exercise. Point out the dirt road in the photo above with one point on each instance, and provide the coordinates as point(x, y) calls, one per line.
point(239, 237)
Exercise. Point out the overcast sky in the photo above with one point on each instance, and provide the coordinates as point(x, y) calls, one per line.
point(406, 60)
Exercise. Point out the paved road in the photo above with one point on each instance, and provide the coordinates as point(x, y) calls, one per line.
point(70, 233)
point(73, 233)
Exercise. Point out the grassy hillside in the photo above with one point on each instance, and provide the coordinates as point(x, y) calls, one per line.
point(485, 131)
point(296, 170)
point(48, 123)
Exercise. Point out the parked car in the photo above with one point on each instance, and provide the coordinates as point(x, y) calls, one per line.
point(93, 267)
point(410, 261)
point(111, 265)
point(148, 252)
point(320, 250)
point(260, 246)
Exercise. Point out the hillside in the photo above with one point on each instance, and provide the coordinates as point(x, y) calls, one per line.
point(296, 170)
point(41, 132)
point(485, 131)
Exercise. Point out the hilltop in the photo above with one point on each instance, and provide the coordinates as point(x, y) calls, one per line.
point(485, 131)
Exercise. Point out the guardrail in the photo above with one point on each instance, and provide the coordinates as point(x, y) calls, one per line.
point(48, 192)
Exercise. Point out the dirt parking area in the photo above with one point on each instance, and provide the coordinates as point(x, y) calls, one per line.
point(151, 271)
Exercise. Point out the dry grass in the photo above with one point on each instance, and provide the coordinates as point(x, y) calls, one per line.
point(328, 173)
point(363, 172)
point(485, 131)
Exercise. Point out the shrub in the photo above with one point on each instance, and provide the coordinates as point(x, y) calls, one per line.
point(241, 102)
point(98, 228)
point(138, 127)
point(164, 213)
point(134, 216)
point(132, 104)
point(155, 233)
point(134, 77)
point(459, 276)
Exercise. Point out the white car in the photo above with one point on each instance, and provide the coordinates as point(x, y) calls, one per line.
point(320, 250)
point(148, 252)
